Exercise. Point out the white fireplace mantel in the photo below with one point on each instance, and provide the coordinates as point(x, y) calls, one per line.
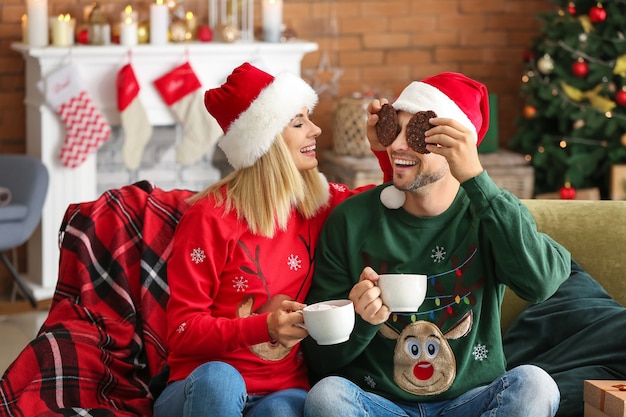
point(98, 67)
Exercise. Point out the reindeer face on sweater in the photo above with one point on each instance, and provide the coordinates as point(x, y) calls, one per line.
point(424, 363)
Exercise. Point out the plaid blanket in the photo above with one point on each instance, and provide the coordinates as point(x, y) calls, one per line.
point(104, 337)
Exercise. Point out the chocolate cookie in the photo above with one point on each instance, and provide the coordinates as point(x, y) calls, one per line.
point(415, 130)
point(387, 126)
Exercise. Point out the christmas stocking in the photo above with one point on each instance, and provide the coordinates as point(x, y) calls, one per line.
point(180, 89)
point(135, 123)
point(85, 127)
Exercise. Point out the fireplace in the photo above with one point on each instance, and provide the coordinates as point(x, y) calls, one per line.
point(98, 67)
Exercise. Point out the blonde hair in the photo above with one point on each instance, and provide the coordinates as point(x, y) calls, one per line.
point(265, 193)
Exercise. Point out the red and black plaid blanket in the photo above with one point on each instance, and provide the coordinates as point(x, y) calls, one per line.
point(104, 338)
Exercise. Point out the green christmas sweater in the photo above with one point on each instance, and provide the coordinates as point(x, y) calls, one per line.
point(486, 240)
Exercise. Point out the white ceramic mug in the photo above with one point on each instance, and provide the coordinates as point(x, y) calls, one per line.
point(329, 322)
point(402, 292)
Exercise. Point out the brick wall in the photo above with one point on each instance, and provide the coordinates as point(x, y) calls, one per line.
point(381, 45)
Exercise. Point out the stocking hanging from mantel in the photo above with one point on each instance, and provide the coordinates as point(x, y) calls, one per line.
point(135, 123)
point(180, 89)
point(85, 126)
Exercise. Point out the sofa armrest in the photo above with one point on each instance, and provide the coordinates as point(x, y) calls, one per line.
point(594, 231)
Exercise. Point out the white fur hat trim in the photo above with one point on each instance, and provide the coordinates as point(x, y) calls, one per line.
point(419, 96)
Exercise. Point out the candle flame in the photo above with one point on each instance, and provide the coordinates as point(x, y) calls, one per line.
point(24, 17)
point(60, 17)
point(159, 2)
point(128, 9)
point(189, 15)
point(67, 17)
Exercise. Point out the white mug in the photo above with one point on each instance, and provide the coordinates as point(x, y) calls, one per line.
point(402, 292)
point(329, 322)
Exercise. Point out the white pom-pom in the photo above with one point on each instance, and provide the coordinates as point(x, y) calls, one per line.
point(392, 198)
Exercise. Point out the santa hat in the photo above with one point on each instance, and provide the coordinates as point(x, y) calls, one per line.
point(450, 95)
point(252, 107)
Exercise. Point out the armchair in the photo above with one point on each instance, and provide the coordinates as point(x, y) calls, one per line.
point(27, 179)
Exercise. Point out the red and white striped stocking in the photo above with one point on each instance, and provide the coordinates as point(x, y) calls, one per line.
point(85, 126)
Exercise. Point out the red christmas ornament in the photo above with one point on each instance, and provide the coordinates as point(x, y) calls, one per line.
point(567, 192)
point(528, 56)
point(597, 13)
point(571, 7)
point(82, 36)
point(580, 68)
point(620, 97)
point(205, 34)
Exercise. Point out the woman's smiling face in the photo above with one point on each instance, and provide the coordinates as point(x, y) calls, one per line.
point(300, 136)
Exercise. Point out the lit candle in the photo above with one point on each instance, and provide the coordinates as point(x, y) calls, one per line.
point(128, 27)
point(159, 23)
point(127, 14)
point(272, 20)
point(37, 11)
point(71, 33)
point(61, 30)
point(25, 29)
point(192, 26)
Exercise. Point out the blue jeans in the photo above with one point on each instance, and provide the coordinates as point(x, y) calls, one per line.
point(521, 392)
point(217, 389)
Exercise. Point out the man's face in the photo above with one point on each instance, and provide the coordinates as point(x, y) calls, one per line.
point(413, 170)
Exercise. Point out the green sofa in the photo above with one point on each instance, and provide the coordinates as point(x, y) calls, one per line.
point(580, 332)
point(595, 234)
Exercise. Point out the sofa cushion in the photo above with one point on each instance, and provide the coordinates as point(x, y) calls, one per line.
point(576, 334)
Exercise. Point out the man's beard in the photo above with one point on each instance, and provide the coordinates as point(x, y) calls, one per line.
point(421, 180)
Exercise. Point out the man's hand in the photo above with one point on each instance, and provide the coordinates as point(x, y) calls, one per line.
point(365, 296)
point(373, 108)
point(457, 144)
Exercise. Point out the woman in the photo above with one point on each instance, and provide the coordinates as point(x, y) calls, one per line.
point(243, 256)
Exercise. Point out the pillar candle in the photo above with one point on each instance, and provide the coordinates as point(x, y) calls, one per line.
point(159, 23)
point(61, 30)
point(272, 11)
point(37, 11)
point(213, 21)
point(192, 26)
point(25, 29)
point(128, 27)
point(128, 33)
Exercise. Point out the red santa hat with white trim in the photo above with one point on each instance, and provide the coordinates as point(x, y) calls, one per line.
point(450, 95)
point(253, 107)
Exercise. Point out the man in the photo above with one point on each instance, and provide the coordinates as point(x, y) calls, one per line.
point(443, 217)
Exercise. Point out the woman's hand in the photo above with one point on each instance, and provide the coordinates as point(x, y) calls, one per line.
point(281, 323)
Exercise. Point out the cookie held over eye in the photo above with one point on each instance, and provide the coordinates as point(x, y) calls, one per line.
point(416, 128)
point(387, 125)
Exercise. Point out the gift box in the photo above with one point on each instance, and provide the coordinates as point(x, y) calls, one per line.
point(605, 398)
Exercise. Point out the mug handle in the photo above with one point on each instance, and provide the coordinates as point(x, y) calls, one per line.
point(301, 325)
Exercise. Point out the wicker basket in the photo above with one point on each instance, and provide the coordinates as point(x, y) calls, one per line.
point(349, 130)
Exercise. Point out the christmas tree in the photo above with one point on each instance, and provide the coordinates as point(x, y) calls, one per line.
point(573, 127)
